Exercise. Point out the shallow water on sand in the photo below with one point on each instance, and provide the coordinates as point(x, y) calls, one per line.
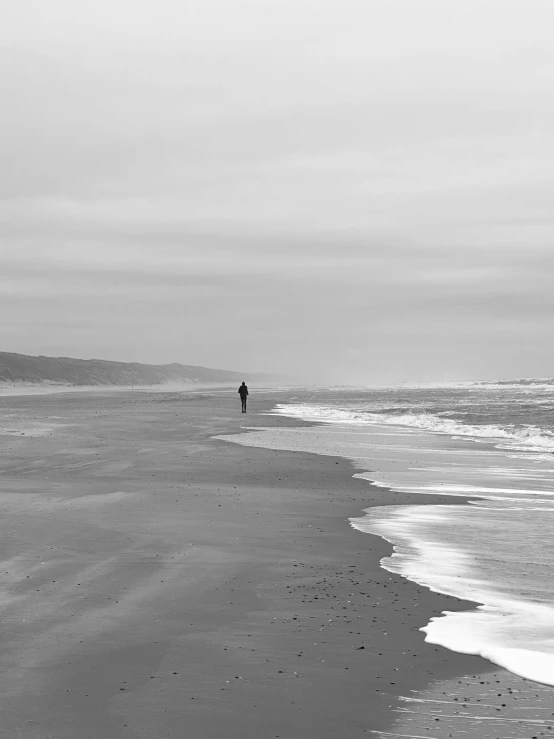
point(495, 706)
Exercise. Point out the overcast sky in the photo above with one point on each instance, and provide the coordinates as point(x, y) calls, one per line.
point(350, 190)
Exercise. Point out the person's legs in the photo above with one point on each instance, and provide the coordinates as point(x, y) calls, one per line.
point(243, 405)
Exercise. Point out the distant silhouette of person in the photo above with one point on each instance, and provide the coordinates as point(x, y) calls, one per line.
point(243, 392)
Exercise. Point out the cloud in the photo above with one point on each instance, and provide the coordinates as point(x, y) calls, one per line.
point(338, 181)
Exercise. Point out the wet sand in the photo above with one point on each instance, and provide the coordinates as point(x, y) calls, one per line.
point(157, 583)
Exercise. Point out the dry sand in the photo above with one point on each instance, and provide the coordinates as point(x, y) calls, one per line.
point(159, 584)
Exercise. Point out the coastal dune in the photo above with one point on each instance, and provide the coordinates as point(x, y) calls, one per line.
point(158, 582)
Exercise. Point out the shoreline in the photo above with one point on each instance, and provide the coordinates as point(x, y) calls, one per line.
point(162, 581)
point(480, 678)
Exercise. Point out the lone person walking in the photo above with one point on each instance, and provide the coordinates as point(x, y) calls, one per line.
point(243, 392)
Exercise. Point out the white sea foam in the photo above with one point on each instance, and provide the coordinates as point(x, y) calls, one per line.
point(485, 631)
point(526, 438)
point(512, 632)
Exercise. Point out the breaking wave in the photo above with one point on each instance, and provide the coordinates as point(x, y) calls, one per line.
point(509, 436)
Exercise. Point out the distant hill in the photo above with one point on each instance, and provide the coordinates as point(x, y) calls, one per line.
point(20, 368)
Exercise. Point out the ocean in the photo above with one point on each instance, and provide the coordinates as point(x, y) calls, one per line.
point(493, 443)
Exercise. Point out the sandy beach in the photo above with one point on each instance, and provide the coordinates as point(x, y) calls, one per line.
point(158, 583)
